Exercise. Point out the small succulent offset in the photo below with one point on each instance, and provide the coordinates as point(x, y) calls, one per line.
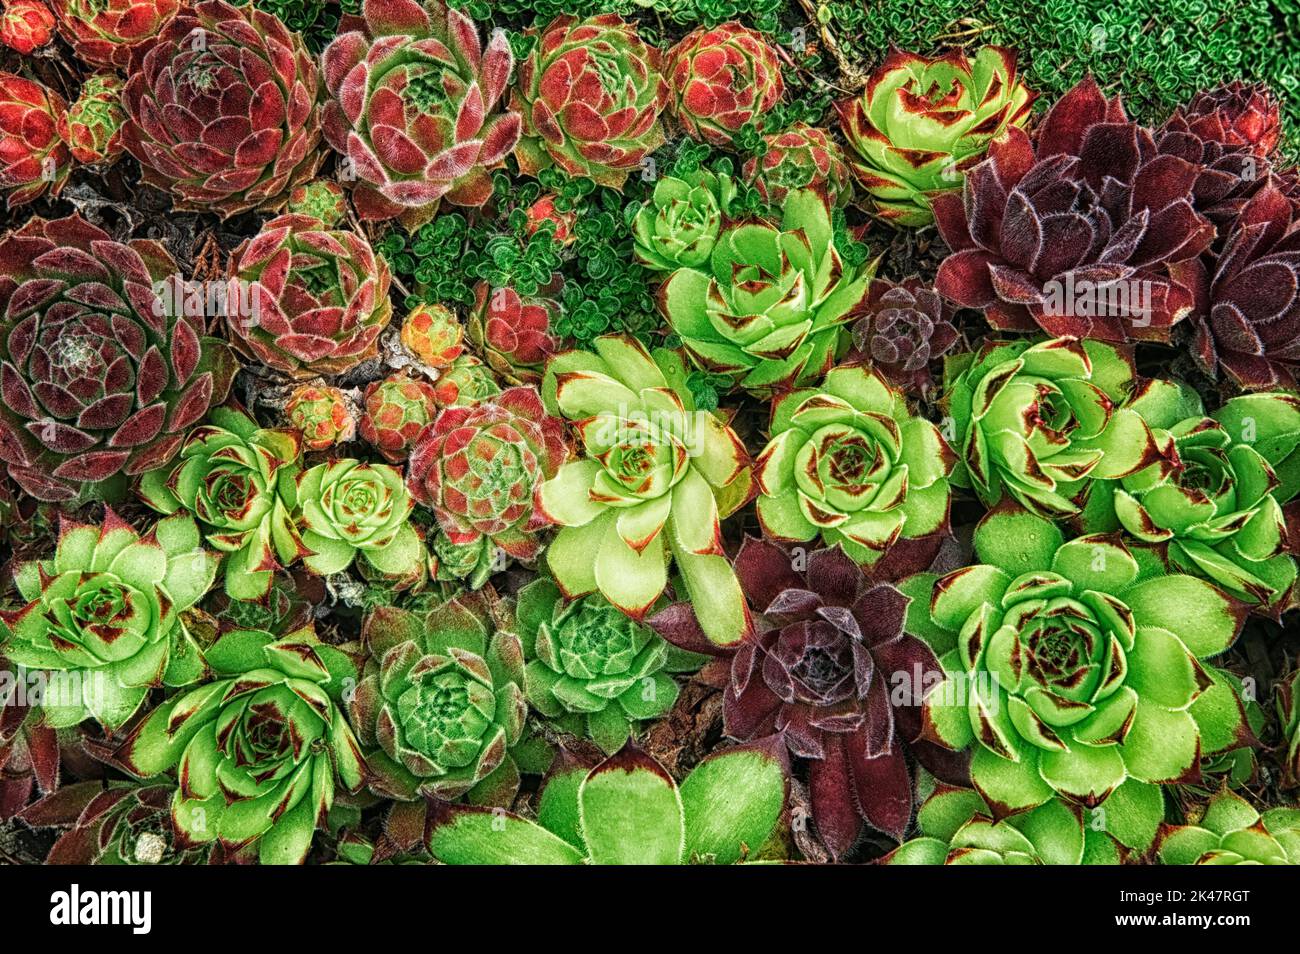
point(26, 25)
point(849, 462)
point(321, 415)
point(902, 328)
point(628, 811)
point(111, 33)
point(921, 123)
point(103, 617)
point(92, 126)
point(1232, 832)
point(349, 507)
point(222, 110)
point(465, 382)
point(721, 78)
point(1217, 508)
point(30, 750)
point(305, 299)
point(679, 226)
point(1075, 669)
point(322, 199)
point(257, 751)
point(413, 108)
point(35, 158)
point(396, 409)
point(433, 334)
point(237, 479)
point(592, 670)
point(102, 369)
point(769, 307)
point(513, 333)
point(801, 157)
point(655, 478)
point(590, 94)
point(480, 469)
point(1037, 421)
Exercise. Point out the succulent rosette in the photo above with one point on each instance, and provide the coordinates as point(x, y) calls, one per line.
point(258, 751)
point(902, 328)
point(322, 199)
point(721, 78)
point(397, 409)
point(349, 507)
point(237, 479)
point(222, 110)
point(413, 108)
point(513, 333)
point(680, 225)
point(1037, 421)
point(1088, 232)
point(92, 126)
point(433, 335)
point(480, 470)
point(655, 478)
point(1236, 114)
point(801, 157)
point(103, 617)
point(30, 753)
point(562, 220)
point(110, 33)
point(956, 827)
point(306, 300)
point(1217, 509)
point(26, 25)
point(828, 669)
point(465, 382)
point(321, 415)
point(592, 670)
point(769, 308)
point(849, 462)
point(627, 811)
point(441, 703)
point(471, 563)
point(34, 159)
point(1232, 832)
point(1075, 670)
point(590, 94)
point(921, 123)
point(101, 370)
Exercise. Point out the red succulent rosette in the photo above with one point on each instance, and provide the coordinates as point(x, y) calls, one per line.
point(903, 328)
point(34, 159)
point(721, 78)
point(513, 333)
point(112, 32)
point(26, 25)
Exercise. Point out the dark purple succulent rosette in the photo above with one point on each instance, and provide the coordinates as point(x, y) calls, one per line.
point(903, 327)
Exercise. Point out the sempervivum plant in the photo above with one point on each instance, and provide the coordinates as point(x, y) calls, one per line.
point(680, 224)
point(257, 751)
point(112, 32)
point(801, 157)
point(397, 409)
point(321, 415)
point(721, 78)
point(1217, 508)
point(238, 480)
point(850, 463)
point(1087, 232)
point(1075, 670)
point(828, 669)
point(349, 507)
point(322, 199)
point(921, 123)
point(653, 482)
point(222, 110)
point(956, 827)
point(101, 371)
point(441, 702)
point(413, 108)
point(103, 616)
point(480, 469)
point(512, 333)
point(769, 306)
point(34, 158)
point(306, 300)
point(29, 748)
point(92, 126)
point(902, 328)
point(1036, 421)
point(26, 25)
point(593, 671)
point(627, 811)
point(465, 382)
point(433, 335)
point(1232, 832)
point(590, 94)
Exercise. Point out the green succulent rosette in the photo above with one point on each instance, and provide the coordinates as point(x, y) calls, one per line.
point(768, 309)
point(103, 617)
point(1214, 501)
point(349, 507)
point(258, 752)
point(592, 670)
point(679, 226)
point(1232, 832)
point(1075, 670)
point(1037, 421)
point(441, 702)
point(655, 478)
point(849, 462)
point(238, 481)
